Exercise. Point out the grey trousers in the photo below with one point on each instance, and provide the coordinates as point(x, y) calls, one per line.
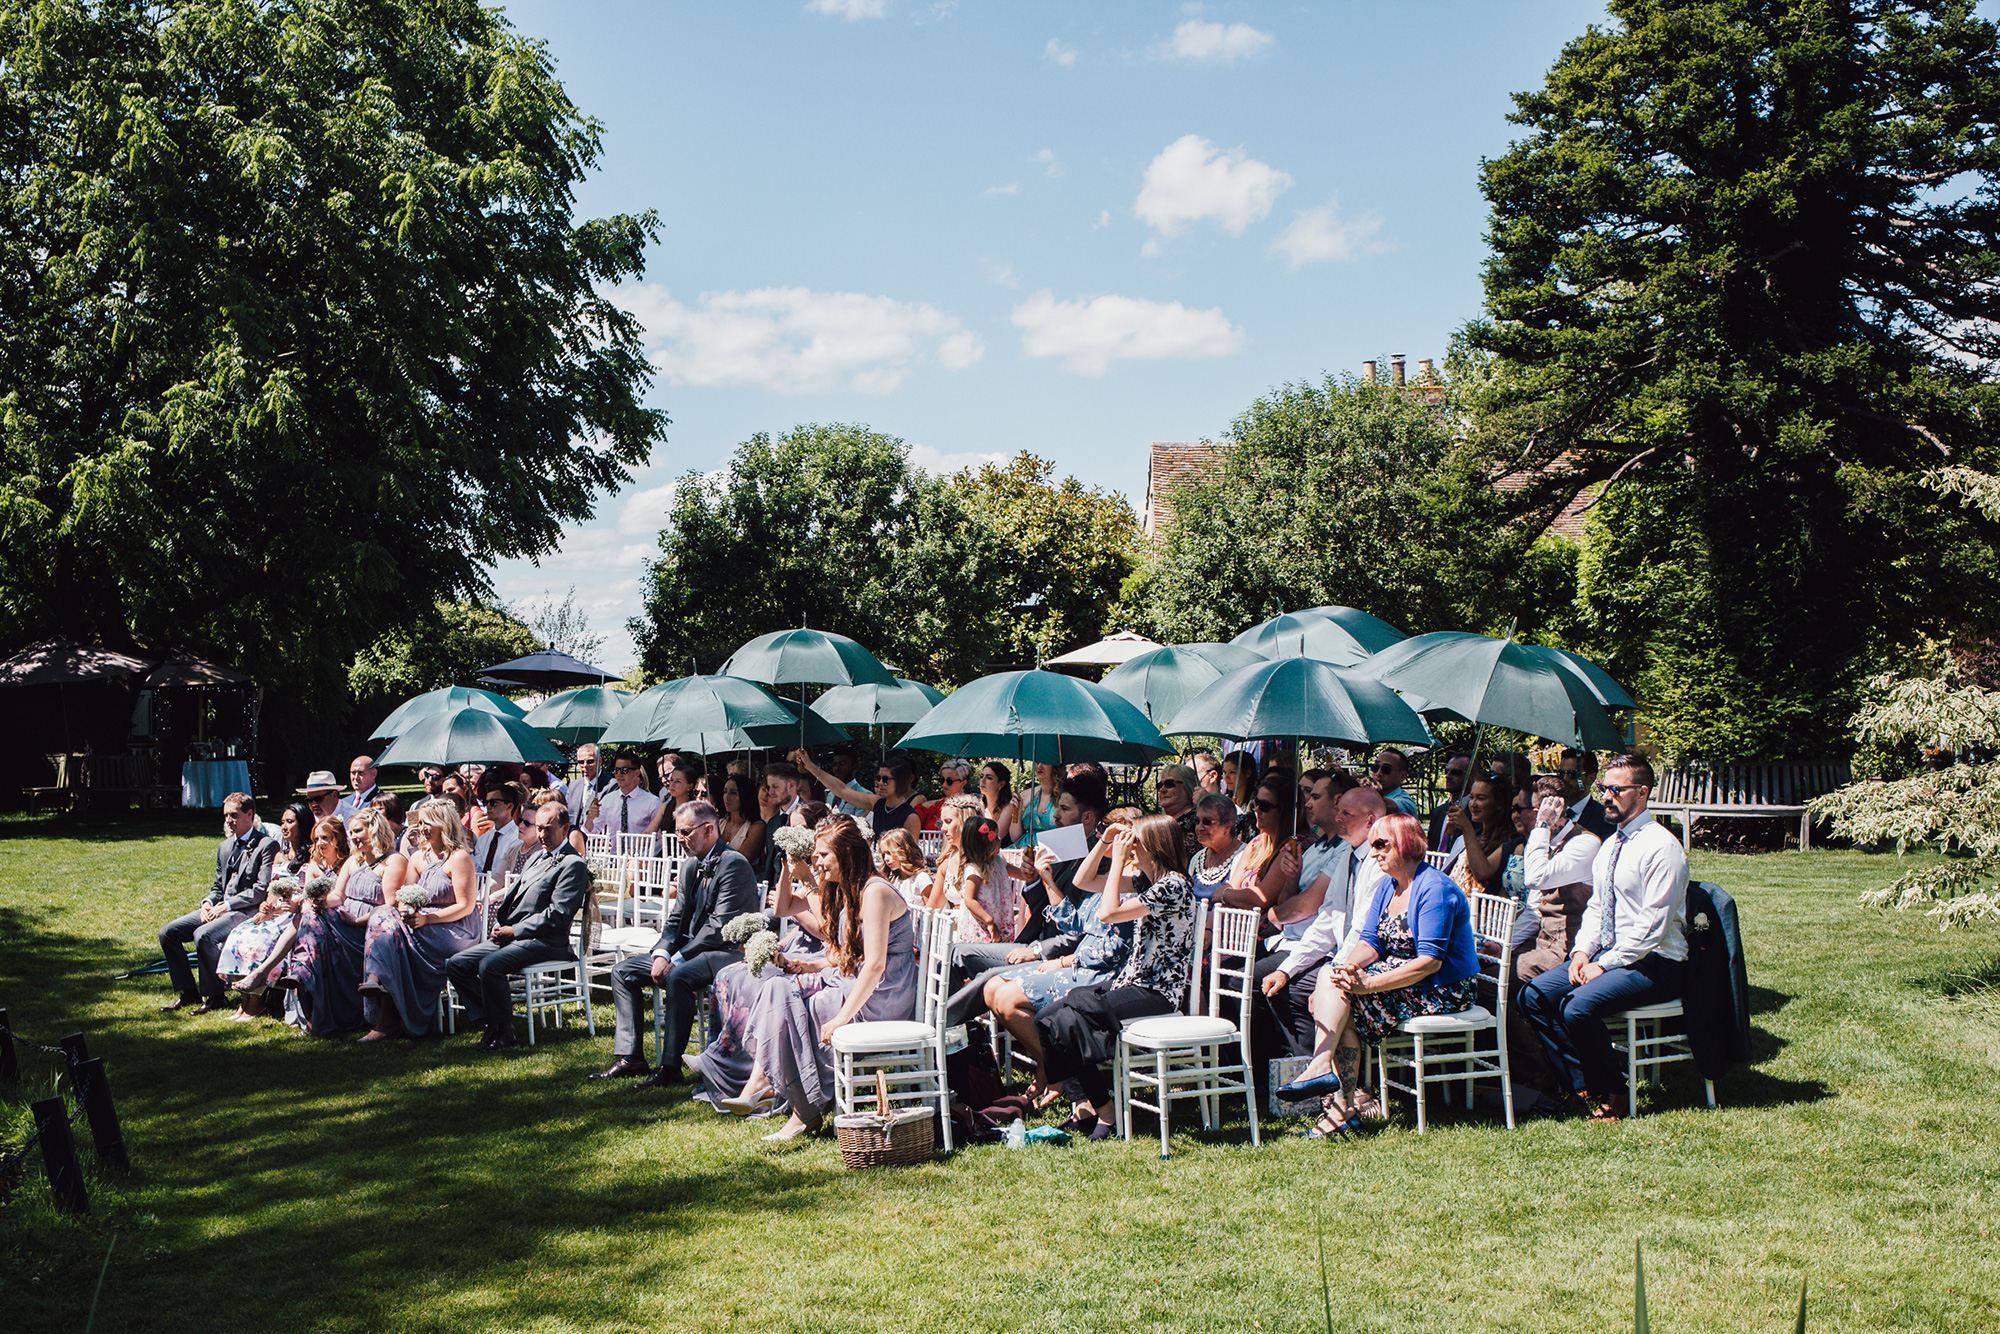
point(207, 938)
point(632, 980)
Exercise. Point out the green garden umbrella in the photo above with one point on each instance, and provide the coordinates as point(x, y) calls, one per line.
point(1496, 683)
point(877, 705)
point(788, 657)
point(1303, 699)
point(1339, 635)
point(1039, 717)
point(443, 701)
point(579, 715)
point(1160, 682)
point(469, 735)
point(712, 714)
point(1607, 691)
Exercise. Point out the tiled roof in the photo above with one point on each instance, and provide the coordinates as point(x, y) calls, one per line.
point(1569, 522)
point(1172, 463)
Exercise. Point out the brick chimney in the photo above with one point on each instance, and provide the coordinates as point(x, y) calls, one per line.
point(1425, 370)
point(1368, 372)
point(1396, 369)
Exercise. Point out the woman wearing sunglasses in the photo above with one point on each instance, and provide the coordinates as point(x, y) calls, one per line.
point(1415, 956)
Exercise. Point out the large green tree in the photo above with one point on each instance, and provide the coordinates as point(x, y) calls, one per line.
point(827, 526)
point(1355, 494)
point(445, 648)
point(1060, 552)
point(297, 330)
point(1743, 270)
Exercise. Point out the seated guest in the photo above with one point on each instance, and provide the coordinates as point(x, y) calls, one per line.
point(1578, 770)
point(1177, 787)
point(1208, 770)
point(433, 780)
point(243, 862)
point(322, 795)
point(1085, 801)
point(1390, 773)
point(294, 841)
point(1267, 869)
point(1239, 784)
point(1036, 810)
point(493, 852)
point(574, 838)
point(1482, 830)
point(972, 880)
point(715, 886)
point(887, 807)
point(952, 778)
point(627, 807)
point(903, 864)
point(678, 777)
point(406, 945)
point(996, 798)
point(391, 806)
point(531, 924)
point(1078, 1034)
point(1415, 956)
point(1084, 951)
point(1455, 770)
point(1556, 867)
point(1514, 879)
point(588, 781)
point(361, 773)
point(1217, 864)
point(742, 820)
point(259, 945)
point(1318, 921)
point(841, 762)
point(1630, 948)
point(871, 944)
point(323, 970)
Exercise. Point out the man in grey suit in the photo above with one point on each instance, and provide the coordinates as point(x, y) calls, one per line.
point(532, 925)
point(716, 885)
point(242, 869)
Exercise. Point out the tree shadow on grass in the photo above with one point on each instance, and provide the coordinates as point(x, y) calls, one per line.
point(350, 1186)
point(116, 826)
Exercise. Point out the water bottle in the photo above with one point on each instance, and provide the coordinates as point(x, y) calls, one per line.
point(1017, 1135)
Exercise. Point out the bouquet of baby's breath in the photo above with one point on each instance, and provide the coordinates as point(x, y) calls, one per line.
point(412, 899)
point(793, 841)
point(738, 930)
point(316, 889)
point(760, 949)
point(284, 886)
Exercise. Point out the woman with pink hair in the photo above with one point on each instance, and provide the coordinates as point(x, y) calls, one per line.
point(1415, 956)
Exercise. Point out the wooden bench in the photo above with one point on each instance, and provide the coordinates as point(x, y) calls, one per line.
point(1777, 790)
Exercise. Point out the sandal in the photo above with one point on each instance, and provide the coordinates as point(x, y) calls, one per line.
point(1079, 1123)
point(1611, 1109)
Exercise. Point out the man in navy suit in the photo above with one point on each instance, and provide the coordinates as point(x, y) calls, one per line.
point(243, 863)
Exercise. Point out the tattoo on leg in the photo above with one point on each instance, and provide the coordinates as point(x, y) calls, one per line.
point(1349, 1058)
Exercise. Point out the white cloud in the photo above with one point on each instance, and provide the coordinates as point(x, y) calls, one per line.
point(1317, 234)
point(1213, 43)
point(1058, 54)
point(1001, 275)
point(1012, 188)
point(1192, 180)
point(849, 9)
point(791, 340)
point(1090, 335)
point(931, 460)
point(1050, 167)
point(1104, 217)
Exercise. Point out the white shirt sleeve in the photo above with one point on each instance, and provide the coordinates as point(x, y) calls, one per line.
point(1646, 911)
point(1571, 865)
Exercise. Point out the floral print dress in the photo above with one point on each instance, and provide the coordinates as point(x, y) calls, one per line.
point(1377, 1013)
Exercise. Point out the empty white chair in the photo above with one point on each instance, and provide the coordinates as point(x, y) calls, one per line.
point(650, 891)
point(1441, 860)
point(1445, 1048)
point(931, 843)
point(549, 986)
point(1648, 1046)
point(600, 847)
point(910, 1052)
point(1196, 1055)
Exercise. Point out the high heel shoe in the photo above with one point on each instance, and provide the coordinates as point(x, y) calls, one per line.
point(1316, 1085)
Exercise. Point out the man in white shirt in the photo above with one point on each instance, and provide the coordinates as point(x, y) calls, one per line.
point(626, 808)
point(1556, 865)
point(1336, 883)
point(1630, 948)
point(362, 774)
point(493, 851)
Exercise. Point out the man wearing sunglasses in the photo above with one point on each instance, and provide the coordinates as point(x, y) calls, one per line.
point(627, 808)
point(1578, 770)
point(1390, 772)
point(1630, 949)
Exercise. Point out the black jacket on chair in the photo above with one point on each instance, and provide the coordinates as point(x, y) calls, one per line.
point(1715, 997)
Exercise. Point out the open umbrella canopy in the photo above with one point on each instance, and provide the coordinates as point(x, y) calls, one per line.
point(1302, 698)
point(56, 663)
point(1039, 717)
point(786, 657)
point(1108, 652)
point(1607, 691)
point(468, 735)
point(1339, 635)
point(711, 714)
point(1497, 682)
point(579, 715)
point(1161, 682)
point(443, 701)
point(546, 670)
point(877, 705)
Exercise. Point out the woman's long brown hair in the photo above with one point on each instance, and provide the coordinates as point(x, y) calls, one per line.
point(840, 893)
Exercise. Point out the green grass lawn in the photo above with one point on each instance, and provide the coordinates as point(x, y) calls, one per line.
point(284, 1183)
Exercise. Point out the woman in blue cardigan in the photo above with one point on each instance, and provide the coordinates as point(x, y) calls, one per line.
point(1414, 956)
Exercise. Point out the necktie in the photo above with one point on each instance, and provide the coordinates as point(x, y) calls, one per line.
point(491, 848)
point(1607, 931)
point(624, 813)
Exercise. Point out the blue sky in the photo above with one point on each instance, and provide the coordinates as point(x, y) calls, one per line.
point(986, 227)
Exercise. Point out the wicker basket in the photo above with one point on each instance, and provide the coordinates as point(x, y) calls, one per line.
point(885, 1138)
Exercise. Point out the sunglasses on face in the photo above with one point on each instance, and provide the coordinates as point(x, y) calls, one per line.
point(1205, 822)
point(1613, 789)
point(1266, 806)
point(1384, 768)
point(1378, 843)
point(885, 778)
point(1166, 783)
point(623, 769)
